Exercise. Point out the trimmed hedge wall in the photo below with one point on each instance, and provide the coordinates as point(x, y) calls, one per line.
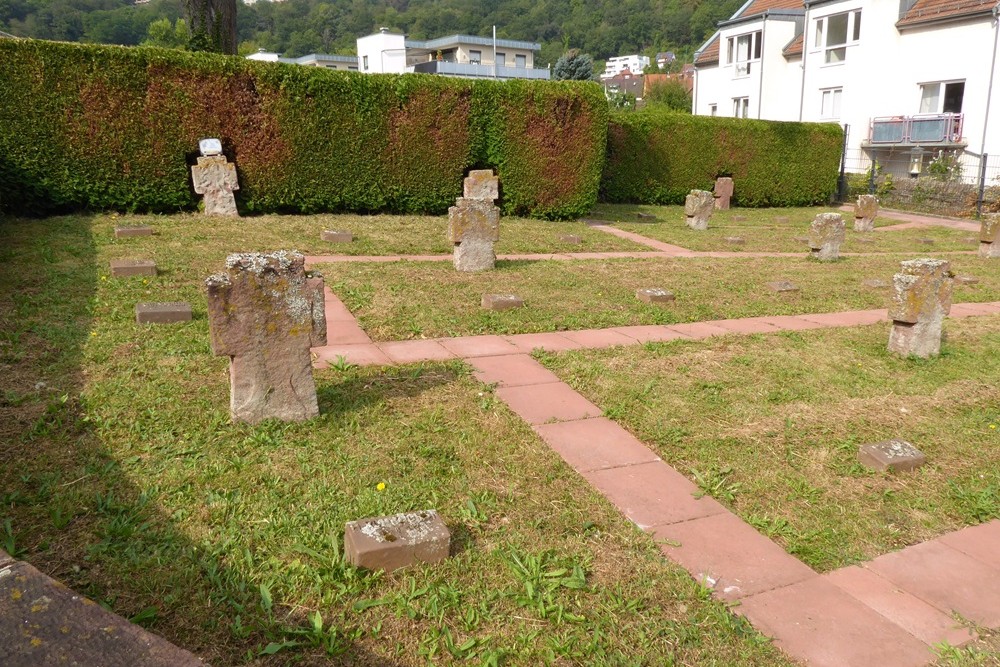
point(657, 157)
point(117, 128)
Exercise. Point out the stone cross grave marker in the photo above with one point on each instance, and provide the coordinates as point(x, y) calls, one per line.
point(989, 236)
point(265, 314)
point(215, 177)
point(826, 233)
point(920, 300)
point(723, 192)
point(865, 210)
point(474, 222)
point(698, 208)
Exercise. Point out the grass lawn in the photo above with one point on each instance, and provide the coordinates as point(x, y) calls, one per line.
point(373, 234)
point(123, 477)
point(770, 425)
point(423, 299)
point(776, 230)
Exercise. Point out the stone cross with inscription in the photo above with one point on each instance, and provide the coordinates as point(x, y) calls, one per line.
point(826, 233)
point(474, 222)
point(723, 192)
point(921, 298)
point(698, 208)
point(265, 314)
point(215, 177)
point(989, 236)
point(865, 210)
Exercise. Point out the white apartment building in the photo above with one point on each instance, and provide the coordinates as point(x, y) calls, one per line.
point(327, 60)
point(909, 78)
point(615, 66)
point(456, 55)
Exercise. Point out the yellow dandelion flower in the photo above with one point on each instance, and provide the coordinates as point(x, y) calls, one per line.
point(380, 486)
point(993, 426)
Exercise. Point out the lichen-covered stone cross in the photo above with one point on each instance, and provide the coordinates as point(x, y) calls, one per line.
point(215, 178)
point(265, 314)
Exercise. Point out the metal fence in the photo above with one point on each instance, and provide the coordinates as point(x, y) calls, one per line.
point(952, 182)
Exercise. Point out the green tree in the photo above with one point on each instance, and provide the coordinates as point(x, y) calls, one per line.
point(574, 66)
point(671, 94)
point(212, 24)
point(162, 33)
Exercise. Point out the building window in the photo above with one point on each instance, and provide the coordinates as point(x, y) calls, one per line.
point(520, 61)
point(365, 59)
point(835, 33)
point(830, 104)
point(475, 57)
point(501, 58)
point(352, 68)
point(743, 50)
point(741, 107)
point(713, 109)
point(942, 97)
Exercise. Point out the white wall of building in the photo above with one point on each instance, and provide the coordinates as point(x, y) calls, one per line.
point(617, 65)
point(382, 53)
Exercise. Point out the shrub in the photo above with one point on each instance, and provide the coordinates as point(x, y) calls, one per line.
point(657, 157)
point(117, 128)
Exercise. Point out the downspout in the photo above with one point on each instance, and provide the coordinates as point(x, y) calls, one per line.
point(993, 66)
point(805, 50)
point(694, 96)
point(763, 53)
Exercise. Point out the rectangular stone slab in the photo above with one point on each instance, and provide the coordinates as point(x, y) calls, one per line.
point(391, 542)
point(502, 301)
point(125, 268)
point(44, 623)
point(895, 455)
point(162, 313)
point(989, 229)
point(654, 295)
point(336, 236)
point(133, 230)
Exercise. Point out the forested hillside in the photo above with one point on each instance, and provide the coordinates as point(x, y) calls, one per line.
point(602, 28)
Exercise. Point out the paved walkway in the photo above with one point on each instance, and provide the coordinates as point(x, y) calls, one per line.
point(888, 612)
point(912, 220)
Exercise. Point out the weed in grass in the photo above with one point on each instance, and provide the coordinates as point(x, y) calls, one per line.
point(715, 482)
point(976, 499)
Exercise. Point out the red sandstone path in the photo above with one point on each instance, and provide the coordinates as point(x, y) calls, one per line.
point(911, 220)
point(888, 612)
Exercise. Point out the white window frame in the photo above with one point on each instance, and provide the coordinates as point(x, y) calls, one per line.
point(713, 109)
point(741, 107)
point(740, 57)
point(939, 107)
point(835, 54)
point(830, 103)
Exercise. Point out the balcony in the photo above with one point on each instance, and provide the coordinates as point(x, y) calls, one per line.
point(475, 70)
point(942, 129)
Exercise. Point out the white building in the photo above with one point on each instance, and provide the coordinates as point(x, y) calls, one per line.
point(455, 55)
point(909, 78)
point(329, 61)
point(617, 65)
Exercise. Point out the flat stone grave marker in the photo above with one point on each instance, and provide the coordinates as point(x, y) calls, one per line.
point(735, 240)
point(502, 301)
point(971, 240)
point(989, 236)
point(739, 218)
point(894, 455)
point(654, 295)
point(876, 283)
point(964, 279)
point(863, 239)
point(129, 231)
point(723, 192)
point(645, 216)
point(474, 223)
point(826, 233)
point(801, 239)
point(571, 238)
point(921, 298)
point(265, 313)
point(782, 286)
point(391, 542)
point(124, 268)
point(865, 210)
point(926, 241)
point(162, 313)
point(781, 218)
point(336, 236)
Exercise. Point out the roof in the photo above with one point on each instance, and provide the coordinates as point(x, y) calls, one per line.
point(709, 52)
point(323, 57)
point(756, 7)
point(794, 47)
point(455, 40)
point(929, 11)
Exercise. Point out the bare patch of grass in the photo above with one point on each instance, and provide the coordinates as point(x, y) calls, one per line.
point(771, 425)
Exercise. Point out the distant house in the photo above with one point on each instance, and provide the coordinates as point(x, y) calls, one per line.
point(326, 60)
point(908, 78)
point(664, 58)
point(455, 55)
point(685, 76)
point(624, 83)
point(615, 66)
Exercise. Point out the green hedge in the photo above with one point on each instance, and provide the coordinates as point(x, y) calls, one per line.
point(117, 128)
point(657, 157)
